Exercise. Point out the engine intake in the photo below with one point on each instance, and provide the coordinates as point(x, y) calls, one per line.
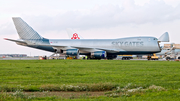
point(99, 55)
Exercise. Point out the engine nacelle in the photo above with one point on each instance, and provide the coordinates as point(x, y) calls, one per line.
point(99, 54)
point(73, 52)
point(58, 50)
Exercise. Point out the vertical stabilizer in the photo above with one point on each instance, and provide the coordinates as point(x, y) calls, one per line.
point(24, 30)
point(72, 34)
point(164, 37)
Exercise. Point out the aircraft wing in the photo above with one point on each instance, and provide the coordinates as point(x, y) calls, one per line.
point(91, 49)
point(103, 49)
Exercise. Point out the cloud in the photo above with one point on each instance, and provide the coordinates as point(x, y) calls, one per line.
point(155, 12)
point(102, 16)
point(7, 28)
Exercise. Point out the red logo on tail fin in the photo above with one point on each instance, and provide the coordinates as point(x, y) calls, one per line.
point(75, 36)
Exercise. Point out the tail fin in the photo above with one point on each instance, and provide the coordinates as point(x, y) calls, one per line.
point(24, 30)
point(72, 34)
point(164, 37)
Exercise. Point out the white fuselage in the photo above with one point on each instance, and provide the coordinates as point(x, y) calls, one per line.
point(131, 44)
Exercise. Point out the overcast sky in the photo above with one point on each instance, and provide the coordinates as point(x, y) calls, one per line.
point(93, 19)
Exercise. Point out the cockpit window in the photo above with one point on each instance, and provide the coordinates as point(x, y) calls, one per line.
point(155, 39)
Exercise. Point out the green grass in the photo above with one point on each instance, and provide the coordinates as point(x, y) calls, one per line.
point(35, 75)
point(74, 72)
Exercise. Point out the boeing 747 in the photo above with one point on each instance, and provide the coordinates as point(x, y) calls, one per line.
point(93, 48)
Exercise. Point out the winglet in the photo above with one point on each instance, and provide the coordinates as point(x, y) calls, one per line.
point(164, 37)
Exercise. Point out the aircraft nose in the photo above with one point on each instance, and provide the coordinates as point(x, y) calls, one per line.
point(158, 48)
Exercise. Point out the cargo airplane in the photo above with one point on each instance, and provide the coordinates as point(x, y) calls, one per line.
point(93, 48)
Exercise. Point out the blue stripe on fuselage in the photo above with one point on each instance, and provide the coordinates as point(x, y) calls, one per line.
point(127, 53)
point(132, 53)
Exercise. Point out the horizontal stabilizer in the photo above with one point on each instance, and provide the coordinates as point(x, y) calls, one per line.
point(164, 37)
point(21, 41)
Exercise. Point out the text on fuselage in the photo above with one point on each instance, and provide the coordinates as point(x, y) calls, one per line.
point(127, 43)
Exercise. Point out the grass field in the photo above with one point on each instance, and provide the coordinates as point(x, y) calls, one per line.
point(110, 76)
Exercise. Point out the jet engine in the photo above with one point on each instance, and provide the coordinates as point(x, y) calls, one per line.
point(58, 50)
point(73, 52)
point(99, 54)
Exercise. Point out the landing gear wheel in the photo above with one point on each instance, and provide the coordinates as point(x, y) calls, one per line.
point(149, 57)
